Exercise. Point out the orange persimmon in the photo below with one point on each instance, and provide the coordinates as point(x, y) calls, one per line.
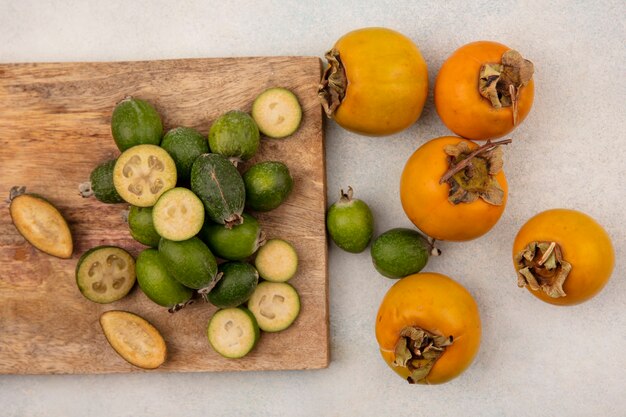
point(563, 256)
point(473, 90)
point(463, 207)
point(428, 328)
point(376, 82)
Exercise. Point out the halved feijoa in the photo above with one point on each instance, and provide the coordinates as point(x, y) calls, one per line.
point(134, 338)
point(105, 274)
point(277, 112)
point(190, 262)
point(178, 214)
point(156, 282)
point(268, 184)
point(40, 223)
point(142, 173)
point(276, 261)
point(233, 332)
point(184, 145)
point(236, 243)
point(100, 184)
point(238, 281)
point(135, 122)
point(141, 226)
point(275, 305)
point(234, 135)
point(220, 187)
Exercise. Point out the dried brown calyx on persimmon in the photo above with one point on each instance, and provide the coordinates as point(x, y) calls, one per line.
point(418, 350)
point(540, 266)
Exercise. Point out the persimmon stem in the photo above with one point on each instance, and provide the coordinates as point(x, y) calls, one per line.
point(547, 254)
point(468, 159)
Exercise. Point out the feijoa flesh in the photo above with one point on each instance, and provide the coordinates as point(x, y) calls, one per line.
point(134, 338)
point(156, 282)
point(233, 332)
point(184, 144)
point(234, 135)
point(275, 305)
point(135, 122)
point(400, 252)
point(236, 243)
point(178, 214)
point(268, 184)
point(350, 223)
point(190, 262)
point(277, 112)
point(105, 274)
point(276, 261)
point(142, 227)
point(101, 185)
point(40, 223)
point(142, 173)
point(238, 282)
point(220, 187)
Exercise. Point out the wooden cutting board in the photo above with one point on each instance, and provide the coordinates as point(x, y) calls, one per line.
point(55, 128)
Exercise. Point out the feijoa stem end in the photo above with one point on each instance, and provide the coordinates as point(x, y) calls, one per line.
point(16, 191)
point(347, 196)
point(85, 189)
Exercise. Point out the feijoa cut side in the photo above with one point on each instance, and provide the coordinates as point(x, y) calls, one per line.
point(142, 173)
point(236, 243)
point(156, 282)
point(190, 262)
point(178, 214)
point(400, 252)
point(133, 338)
point(184, 144)
point(100, 184)
point(220, 187)
point(135, 122)
point(233, 332)
point(276, 261)
point(234, 135)
point(105, 274)
point(350, 223)
point(277, 112)
point(141, 226)
point(40, 223)
point(268, 184)
point(275, 305)
point(238, 282)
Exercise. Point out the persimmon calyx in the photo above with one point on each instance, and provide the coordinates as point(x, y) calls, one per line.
point(500, 83)
point(332, 88)
point(418, 350)
point(472, 174)
point(540, 266)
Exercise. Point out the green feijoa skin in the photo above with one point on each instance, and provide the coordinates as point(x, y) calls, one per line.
point(220, 187)
point(235, 243)
point(135, 122)
point(156, 282)
point(191, 263)
point(268, 184)
point(350, 223)
point(400, 252)
point(142, 227)
point(234, 135)
point(184, 145)
point(100, 184)
point(238, 281)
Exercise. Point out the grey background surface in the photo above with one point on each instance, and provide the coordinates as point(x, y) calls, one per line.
point(535, 359)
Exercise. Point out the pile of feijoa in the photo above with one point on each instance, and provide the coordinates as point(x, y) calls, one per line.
point(187, 199)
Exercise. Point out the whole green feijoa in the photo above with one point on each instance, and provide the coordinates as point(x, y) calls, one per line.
point(142, 227)
point(184, 145)
point(190, 262)
point(236, 243)
point(158, 284)
point(234, 135)
point(350, 223)
point(268, 184)
point(100, 184)
point(220, 187)
point(400, 252)
point(238, 282)
point(135, 122)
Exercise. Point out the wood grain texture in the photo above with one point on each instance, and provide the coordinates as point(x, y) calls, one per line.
point(55, 128)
